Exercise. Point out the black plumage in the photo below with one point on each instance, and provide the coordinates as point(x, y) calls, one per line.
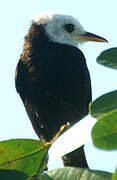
point(53, 81)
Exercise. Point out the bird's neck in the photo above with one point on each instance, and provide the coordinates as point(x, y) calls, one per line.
point(35, 40)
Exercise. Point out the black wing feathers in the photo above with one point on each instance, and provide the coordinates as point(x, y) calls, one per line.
point(55, 89)
point(53, 82)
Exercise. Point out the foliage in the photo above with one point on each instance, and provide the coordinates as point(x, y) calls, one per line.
point(108, 58)
point(17, 153)
point(104, 108)
point(115, 175)
point(26, 159)
point(71, 173)
point(104, 133)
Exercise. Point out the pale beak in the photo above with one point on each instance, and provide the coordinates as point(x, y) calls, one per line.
point(92, 37)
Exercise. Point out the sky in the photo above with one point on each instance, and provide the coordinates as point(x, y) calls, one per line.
point(98, 17)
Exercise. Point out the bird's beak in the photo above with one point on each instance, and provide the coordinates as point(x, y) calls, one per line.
point(92, 37)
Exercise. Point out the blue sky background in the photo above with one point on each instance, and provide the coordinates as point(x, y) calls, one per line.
point(99, 17)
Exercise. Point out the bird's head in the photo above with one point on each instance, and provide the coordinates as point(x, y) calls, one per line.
point(65, 29)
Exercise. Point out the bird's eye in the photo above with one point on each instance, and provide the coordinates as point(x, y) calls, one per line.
point(69, 27)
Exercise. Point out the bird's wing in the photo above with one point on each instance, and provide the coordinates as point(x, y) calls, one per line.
point(56, 90)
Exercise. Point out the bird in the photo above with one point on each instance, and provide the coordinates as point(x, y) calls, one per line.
point(52, 77)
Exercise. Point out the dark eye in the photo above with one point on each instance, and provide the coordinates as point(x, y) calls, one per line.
point(69, 27)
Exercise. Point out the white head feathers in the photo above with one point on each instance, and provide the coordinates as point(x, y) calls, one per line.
point(65, 29)
point(56, 29)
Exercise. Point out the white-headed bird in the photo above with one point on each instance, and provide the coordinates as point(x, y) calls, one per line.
point(52, 77)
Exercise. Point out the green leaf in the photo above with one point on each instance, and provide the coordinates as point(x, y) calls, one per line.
point(13, 175)
point(108, 58)
point(104, 104)
point(23, 155)
point(69, 173)
point(115, 175)
point(104, 133)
